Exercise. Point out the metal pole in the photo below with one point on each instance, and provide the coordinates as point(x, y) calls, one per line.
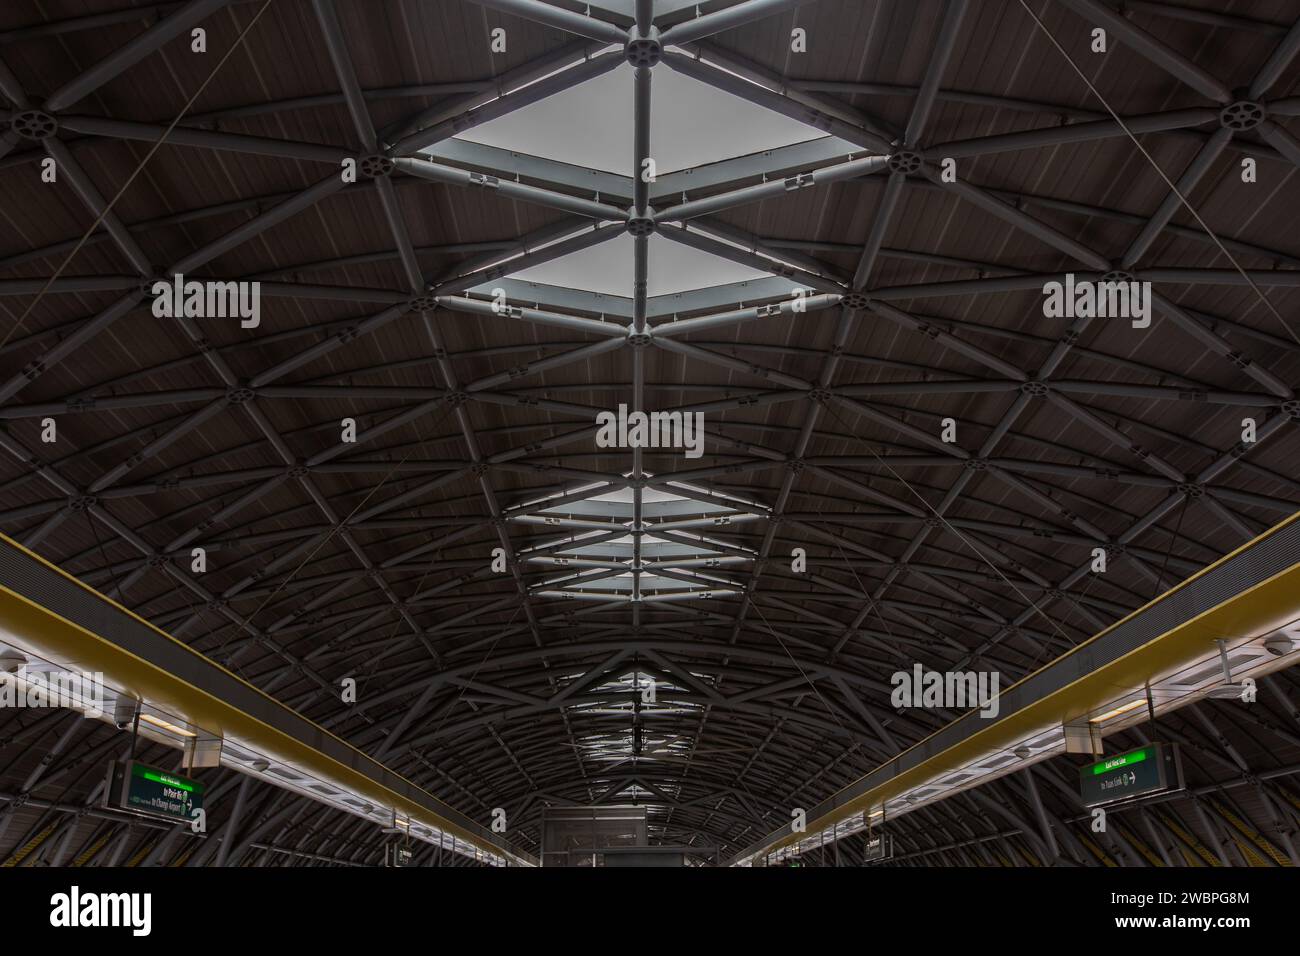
point(130, 53)
point(556, 17)
point(736, 16)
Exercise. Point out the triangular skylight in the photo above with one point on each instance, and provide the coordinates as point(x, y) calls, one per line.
point(606, 268)
point(680, 557)
point(640, 741)
point(690, 124)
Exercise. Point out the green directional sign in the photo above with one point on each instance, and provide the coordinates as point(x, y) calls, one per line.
point(1154, 768)
point(154, 792)
point(1123, 760)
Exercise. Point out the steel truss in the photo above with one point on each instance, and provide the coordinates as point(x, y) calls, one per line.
point(370, 558)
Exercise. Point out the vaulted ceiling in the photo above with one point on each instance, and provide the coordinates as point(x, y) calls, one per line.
point(396, 299)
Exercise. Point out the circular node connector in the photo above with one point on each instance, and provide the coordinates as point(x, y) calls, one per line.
point(638, 340)
point(457, 399)
point(239, 394)
point(422, 303)
point(796, 465)
point(1117, 275)
point(156, 560)
point(643, 51)
point(1241, 115)
point(34, 124)
point(1034, 388)
point(375, 166)
point(819, 395)
point(641, 225)
point(1191, 489)
point(905, 161)
point(82, 503)
point(976, 464)
point(1292, 408)
point(855, 301)
point(297, 471)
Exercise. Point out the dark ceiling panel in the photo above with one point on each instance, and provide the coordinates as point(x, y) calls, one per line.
point(372, 560)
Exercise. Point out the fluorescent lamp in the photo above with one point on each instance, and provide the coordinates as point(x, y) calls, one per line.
point(1122, 709)
point(166, 725)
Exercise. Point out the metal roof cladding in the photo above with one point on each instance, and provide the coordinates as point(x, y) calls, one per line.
point(862, 267)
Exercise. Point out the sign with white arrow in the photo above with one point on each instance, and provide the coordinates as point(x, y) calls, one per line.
point(1155, 768)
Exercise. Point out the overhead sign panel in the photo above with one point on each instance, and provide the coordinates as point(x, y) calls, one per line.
point(154, 792)
point(397, 855)
point(879, 847)
point(1155, 768)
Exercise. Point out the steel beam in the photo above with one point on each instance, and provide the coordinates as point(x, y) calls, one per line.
point(436, 172)
point(558, 17)
point(944, 44)
point(506, 103)
point(692, 209)
point(804, 109)
point(738, 15)
point(131, 53)
point(1148, 46)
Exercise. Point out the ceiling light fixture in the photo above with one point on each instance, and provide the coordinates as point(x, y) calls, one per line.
point(167, 725)
point(1115, 712)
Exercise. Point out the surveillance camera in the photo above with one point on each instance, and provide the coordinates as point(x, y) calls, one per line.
point(1279, 645)
point(124, 708)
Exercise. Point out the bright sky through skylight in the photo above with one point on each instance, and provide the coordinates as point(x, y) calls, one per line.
point(690, 124)
point(659, 504)
point(607, 268)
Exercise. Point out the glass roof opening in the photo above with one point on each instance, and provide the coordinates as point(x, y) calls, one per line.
point(607, 269)
point(591, 125)
point(678, 556)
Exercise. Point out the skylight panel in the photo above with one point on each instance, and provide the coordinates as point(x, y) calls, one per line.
point(606, 269)
point(590, 125)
